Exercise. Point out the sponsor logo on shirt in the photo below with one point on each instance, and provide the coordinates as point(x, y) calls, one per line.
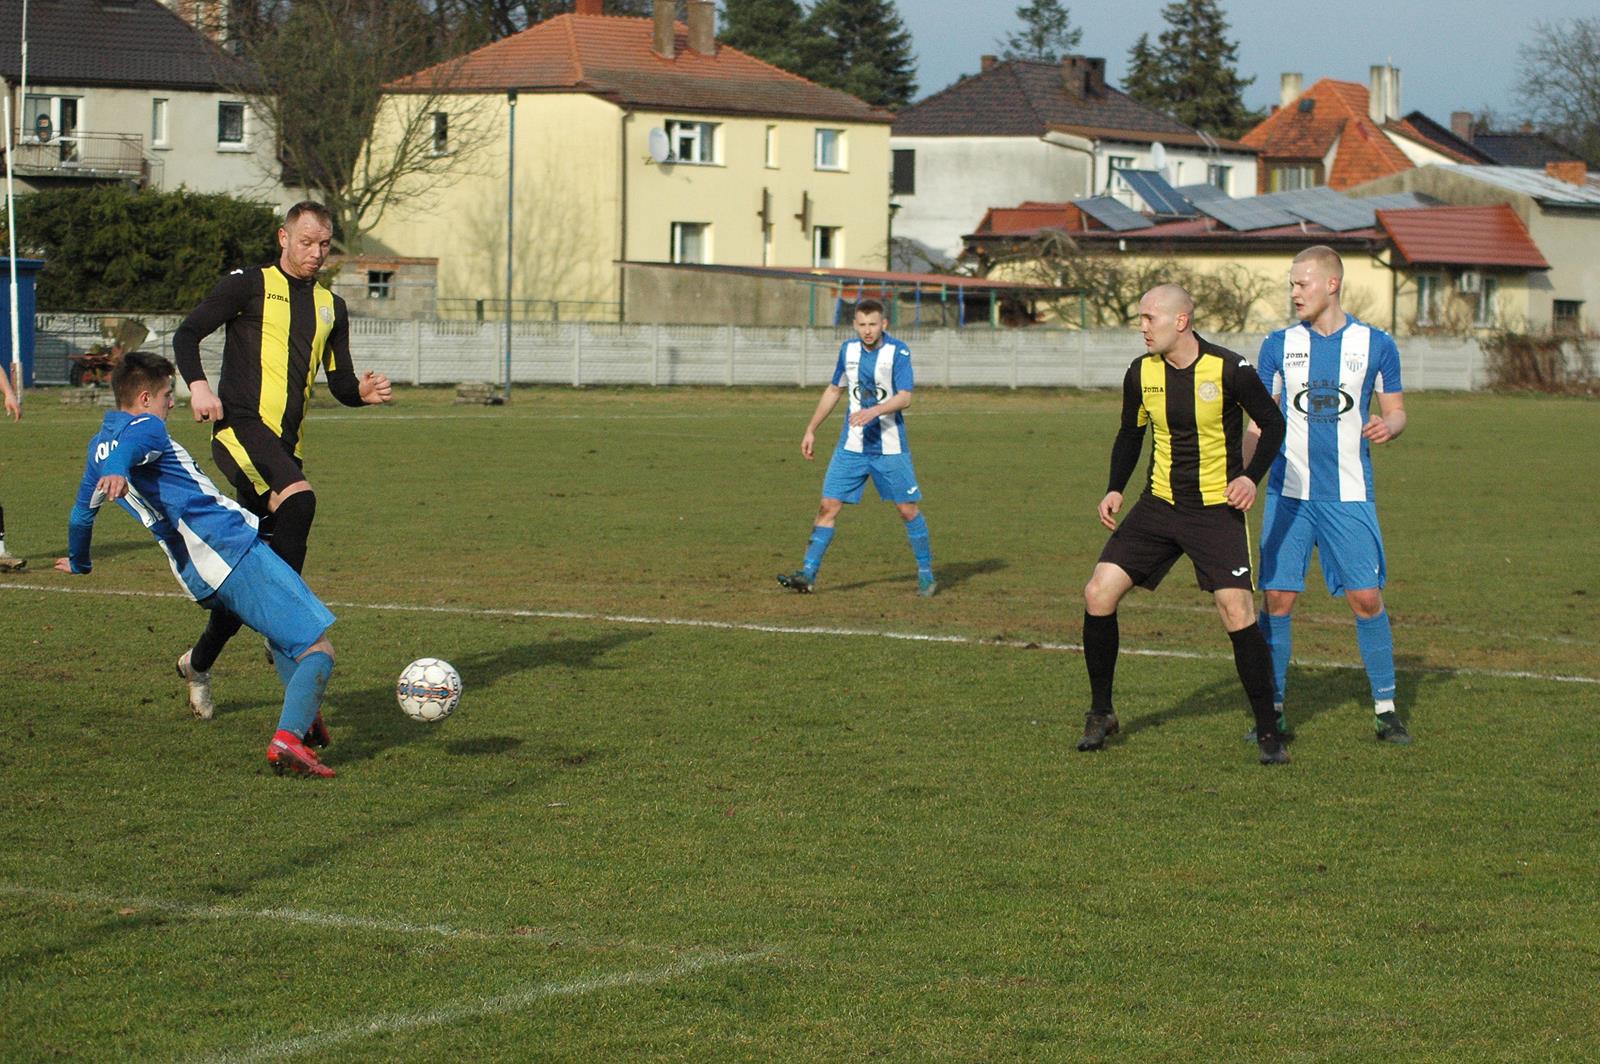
point(279, 298)
point(868, 394)
point(1323, 401)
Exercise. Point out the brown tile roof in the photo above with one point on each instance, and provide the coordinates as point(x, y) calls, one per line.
point(1338, 114)
point(1030, 219)
point(140, 44)
point(612, 57)
point(1024, 97)
point(1463, 236)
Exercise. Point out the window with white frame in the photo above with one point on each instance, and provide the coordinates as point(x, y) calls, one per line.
point(62, 114)
point(691, 242)
point(830, 149)
point(1427, 299)
point(230, 125)
point(772, 148)
point(1218, 175)
point(827, 245)
point(158, 123)
point(1286, 178)
point(380, 284)
point(441, 133)
point(694, 143)
point(1114, 182)
point(1488, 297)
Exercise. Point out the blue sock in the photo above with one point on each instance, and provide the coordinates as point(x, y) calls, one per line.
point(1279, 642)
point(816, 548)
point(1376, 640)
point(917, 533)
point(285, 666)
point(302, 695)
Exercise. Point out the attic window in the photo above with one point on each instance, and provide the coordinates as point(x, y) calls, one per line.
point(1307, 105)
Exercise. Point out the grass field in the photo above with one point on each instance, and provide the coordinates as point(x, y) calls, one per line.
point(683, 815)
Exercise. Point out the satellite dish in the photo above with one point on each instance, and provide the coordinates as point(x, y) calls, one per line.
point(1158, 156)
point(660, 146)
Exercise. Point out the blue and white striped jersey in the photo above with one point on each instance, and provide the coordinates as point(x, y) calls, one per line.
point(1325, 386)
point(869, 377)
point(204, 533)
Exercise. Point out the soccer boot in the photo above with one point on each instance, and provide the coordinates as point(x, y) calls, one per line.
point(1390, 729)
point(10, 563)
point(1283, 729)
point(797, 581)
point(286, 753)
point(927, 586)
point(1096, 726)
point(1273, 752)
point(200, 703)
point(317, 735)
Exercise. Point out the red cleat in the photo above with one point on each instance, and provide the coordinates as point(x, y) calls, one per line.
point(286, 753)
point(317, 735)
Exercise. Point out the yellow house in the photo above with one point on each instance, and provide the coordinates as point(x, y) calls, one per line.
point(635, 139)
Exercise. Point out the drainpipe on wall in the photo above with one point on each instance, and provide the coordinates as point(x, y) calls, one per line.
point(1073, 142)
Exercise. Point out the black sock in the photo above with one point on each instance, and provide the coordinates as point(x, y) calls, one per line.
point(1253, 658)
point(220, 627)
point(1101, 639)
point(291, 527)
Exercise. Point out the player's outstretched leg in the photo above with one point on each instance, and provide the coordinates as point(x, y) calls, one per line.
point(199, 682)
point(302, 700)
point(804, 579)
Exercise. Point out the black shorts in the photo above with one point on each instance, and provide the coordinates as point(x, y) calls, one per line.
point(254, 460)
point(1155, 533)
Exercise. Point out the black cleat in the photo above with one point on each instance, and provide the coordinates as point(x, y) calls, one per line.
point(1096, 726)
point(1390, 729)
point(797, 581)
point(1273, 752)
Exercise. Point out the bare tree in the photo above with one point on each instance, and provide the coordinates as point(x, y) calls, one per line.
point(1106, 287)
point(1560, 83)
point(1226, 297)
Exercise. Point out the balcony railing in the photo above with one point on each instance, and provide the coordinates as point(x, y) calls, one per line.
point(91, 156)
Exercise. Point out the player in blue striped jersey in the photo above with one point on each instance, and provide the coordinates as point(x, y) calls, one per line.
point(874, 371)
point(1325, 371)
point(211, 543)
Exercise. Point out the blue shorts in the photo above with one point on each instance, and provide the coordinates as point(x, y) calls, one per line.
point(1345, 535)
point(891, 474)
point(269, 596)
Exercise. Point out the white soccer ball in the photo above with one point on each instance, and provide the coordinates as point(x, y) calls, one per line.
point(428, 689)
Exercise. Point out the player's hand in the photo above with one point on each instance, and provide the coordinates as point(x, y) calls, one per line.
point(1241, 493)
point(1376, 430)
point(1111, 504)
point(112, 487)
point(808, 445)
point(63, 565)
point(203, 402)
point(863, 417)
point(375, 388)
point(13, 408)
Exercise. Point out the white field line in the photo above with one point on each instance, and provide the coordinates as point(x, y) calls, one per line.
point(786, 629)
point(311, 918)
point(498, 1005)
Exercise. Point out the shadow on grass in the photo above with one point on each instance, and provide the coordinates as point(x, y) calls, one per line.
point(952, 575)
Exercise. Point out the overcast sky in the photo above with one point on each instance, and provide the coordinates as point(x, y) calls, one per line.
point(1453, 55)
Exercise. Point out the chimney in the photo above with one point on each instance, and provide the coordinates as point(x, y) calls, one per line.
point(1461, 125)
point(588, 7)
point(665, 41)
point(986, 63)
point(1082, 76)
point(1383, 94)
point(703, 27)
point(1573, 173)
point(1288, 89)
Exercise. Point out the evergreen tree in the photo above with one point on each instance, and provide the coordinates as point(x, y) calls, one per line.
point(1047, 33)
point(862, 47)
point(770, 30)
point(1192, 73)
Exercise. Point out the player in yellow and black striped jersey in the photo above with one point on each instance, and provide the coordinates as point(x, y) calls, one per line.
point(1194, 395)
point(282, 326)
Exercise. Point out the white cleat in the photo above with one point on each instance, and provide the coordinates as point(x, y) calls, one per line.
point(199, 688)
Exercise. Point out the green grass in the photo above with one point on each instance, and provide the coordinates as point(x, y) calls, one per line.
point(640, 840)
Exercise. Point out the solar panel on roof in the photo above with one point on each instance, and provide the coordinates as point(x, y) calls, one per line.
point(1246, 215)
point(1327, 208)
point(1199, 193)
point(1400, 201)
point(1113, 214)
point(1160, 196)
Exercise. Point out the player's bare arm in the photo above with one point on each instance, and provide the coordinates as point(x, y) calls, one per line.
point(1389, 421)
point(899, 401)
point(825, 405)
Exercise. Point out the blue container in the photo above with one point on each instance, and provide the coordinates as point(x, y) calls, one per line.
point(27, 272)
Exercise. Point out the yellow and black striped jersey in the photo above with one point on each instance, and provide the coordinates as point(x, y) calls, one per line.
point(280, 330)
point(1197, 417)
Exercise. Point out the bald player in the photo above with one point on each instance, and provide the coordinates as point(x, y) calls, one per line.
point(1325, 370)
point(1194, 395)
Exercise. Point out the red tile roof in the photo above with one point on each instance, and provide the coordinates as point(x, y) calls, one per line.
point(612, 57)
point(1031, 218)
point(1462, 236)
point(1339, 113)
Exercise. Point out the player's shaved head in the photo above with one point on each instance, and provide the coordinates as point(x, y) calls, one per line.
point(1173, 298)
point(1325, 259)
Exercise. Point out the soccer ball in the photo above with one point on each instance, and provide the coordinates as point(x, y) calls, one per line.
point(428, 689)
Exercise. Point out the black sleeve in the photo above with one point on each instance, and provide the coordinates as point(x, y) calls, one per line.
point(342, 380)
point(1258, 403)
point(226, 301)
point(1130, 436)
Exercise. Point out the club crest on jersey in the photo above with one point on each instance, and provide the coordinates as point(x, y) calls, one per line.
point(1355, 363)
point(326, 314)
point(1323, 401)
point(870, 393)
point(1209, 391)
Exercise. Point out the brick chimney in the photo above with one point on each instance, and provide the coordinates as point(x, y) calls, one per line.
point(588, 7)
point(1383, 94)
point(1573, 173)
point(1083, 76)
point(987, 63)
point(664, 40)
point(1288, 89)
point(1461, 125)
point(703, 27)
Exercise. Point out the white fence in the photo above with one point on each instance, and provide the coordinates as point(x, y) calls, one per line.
point(578, 354)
